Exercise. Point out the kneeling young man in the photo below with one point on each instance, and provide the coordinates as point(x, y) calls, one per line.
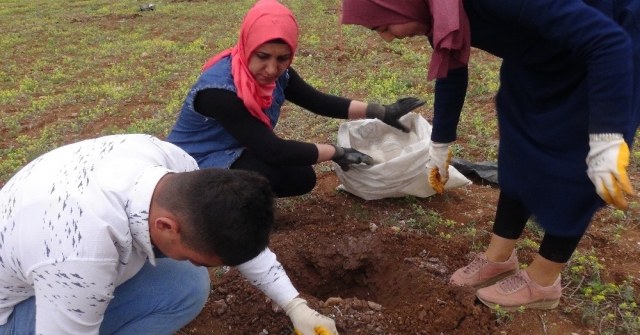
point(84, 230)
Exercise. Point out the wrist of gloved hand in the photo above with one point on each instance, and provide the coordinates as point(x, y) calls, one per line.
point(375, 111)
point(338, 157)
point(307, 321)
point(344, 157)
point(607, 164)
point(439, 158)
point(391, 114)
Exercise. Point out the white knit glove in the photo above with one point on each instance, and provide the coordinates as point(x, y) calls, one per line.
point(306, 321)
point(607, 163)
point(438, 163)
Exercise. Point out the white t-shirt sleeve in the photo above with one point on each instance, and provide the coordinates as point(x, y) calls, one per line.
point(72, 296)
point(265, 272)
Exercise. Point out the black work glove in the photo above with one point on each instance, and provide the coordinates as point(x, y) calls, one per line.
point(391, 114)
point(347, 156)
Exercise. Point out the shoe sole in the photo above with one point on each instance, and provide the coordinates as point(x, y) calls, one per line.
point(494, 280)
point(544, 304)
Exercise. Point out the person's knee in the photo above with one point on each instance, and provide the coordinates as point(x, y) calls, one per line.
point(298, 181)
point(196, 290)
point(164, 297)
point(309, 180)
point(190, 287)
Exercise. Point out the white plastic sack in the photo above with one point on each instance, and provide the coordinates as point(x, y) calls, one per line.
point(400, 159)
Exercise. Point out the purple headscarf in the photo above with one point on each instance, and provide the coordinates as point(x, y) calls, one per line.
point(447, 20)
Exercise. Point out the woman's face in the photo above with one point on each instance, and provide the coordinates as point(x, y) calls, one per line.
point(269, 61)
point(389, 32)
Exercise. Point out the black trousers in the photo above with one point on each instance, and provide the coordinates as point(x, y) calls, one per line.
point(512, 217)
point(286, 181)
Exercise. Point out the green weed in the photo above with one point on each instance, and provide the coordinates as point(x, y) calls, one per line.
point(610, 306)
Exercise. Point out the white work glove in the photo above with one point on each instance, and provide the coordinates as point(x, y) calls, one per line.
point(607, 163)
point(306, 321)
point(438, 163)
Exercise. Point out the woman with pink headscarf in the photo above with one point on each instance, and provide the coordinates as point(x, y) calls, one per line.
point(568, 108)
point(227, 121)
point(228, 116)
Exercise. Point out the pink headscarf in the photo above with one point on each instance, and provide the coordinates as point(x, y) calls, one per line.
point(447, 19)
point(265, 21)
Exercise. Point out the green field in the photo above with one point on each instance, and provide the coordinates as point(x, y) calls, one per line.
point(72, 70)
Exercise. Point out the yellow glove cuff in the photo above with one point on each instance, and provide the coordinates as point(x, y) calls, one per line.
point(319, 330)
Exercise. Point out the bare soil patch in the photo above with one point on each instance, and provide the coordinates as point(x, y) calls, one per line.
point(387, 279)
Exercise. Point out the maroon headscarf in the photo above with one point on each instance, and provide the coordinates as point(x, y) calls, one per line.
point(447, 19)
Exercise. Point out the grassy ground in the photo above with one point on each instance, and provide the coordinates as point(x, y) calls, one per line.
point(79, 69)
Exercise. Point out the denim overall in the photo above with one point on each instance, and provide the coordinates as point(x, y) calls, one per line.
point(203, 137)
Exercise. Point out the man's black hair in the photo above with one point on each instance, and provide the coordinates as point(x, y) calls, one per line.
point(222, 212)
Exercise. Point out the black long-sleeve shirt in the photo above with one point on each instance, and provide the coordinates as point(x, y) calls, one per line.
point(229, 110)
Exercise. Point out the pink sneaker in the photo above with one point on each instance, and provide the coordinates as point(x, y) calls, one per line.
point(482, 272)
point(518, 290)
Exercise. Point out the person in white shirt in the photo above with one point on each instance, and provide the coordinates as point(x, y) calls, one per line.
point(95, 235)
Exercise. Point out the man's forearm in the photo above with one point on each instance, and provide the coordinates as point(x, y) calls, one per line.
point(265, 272)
